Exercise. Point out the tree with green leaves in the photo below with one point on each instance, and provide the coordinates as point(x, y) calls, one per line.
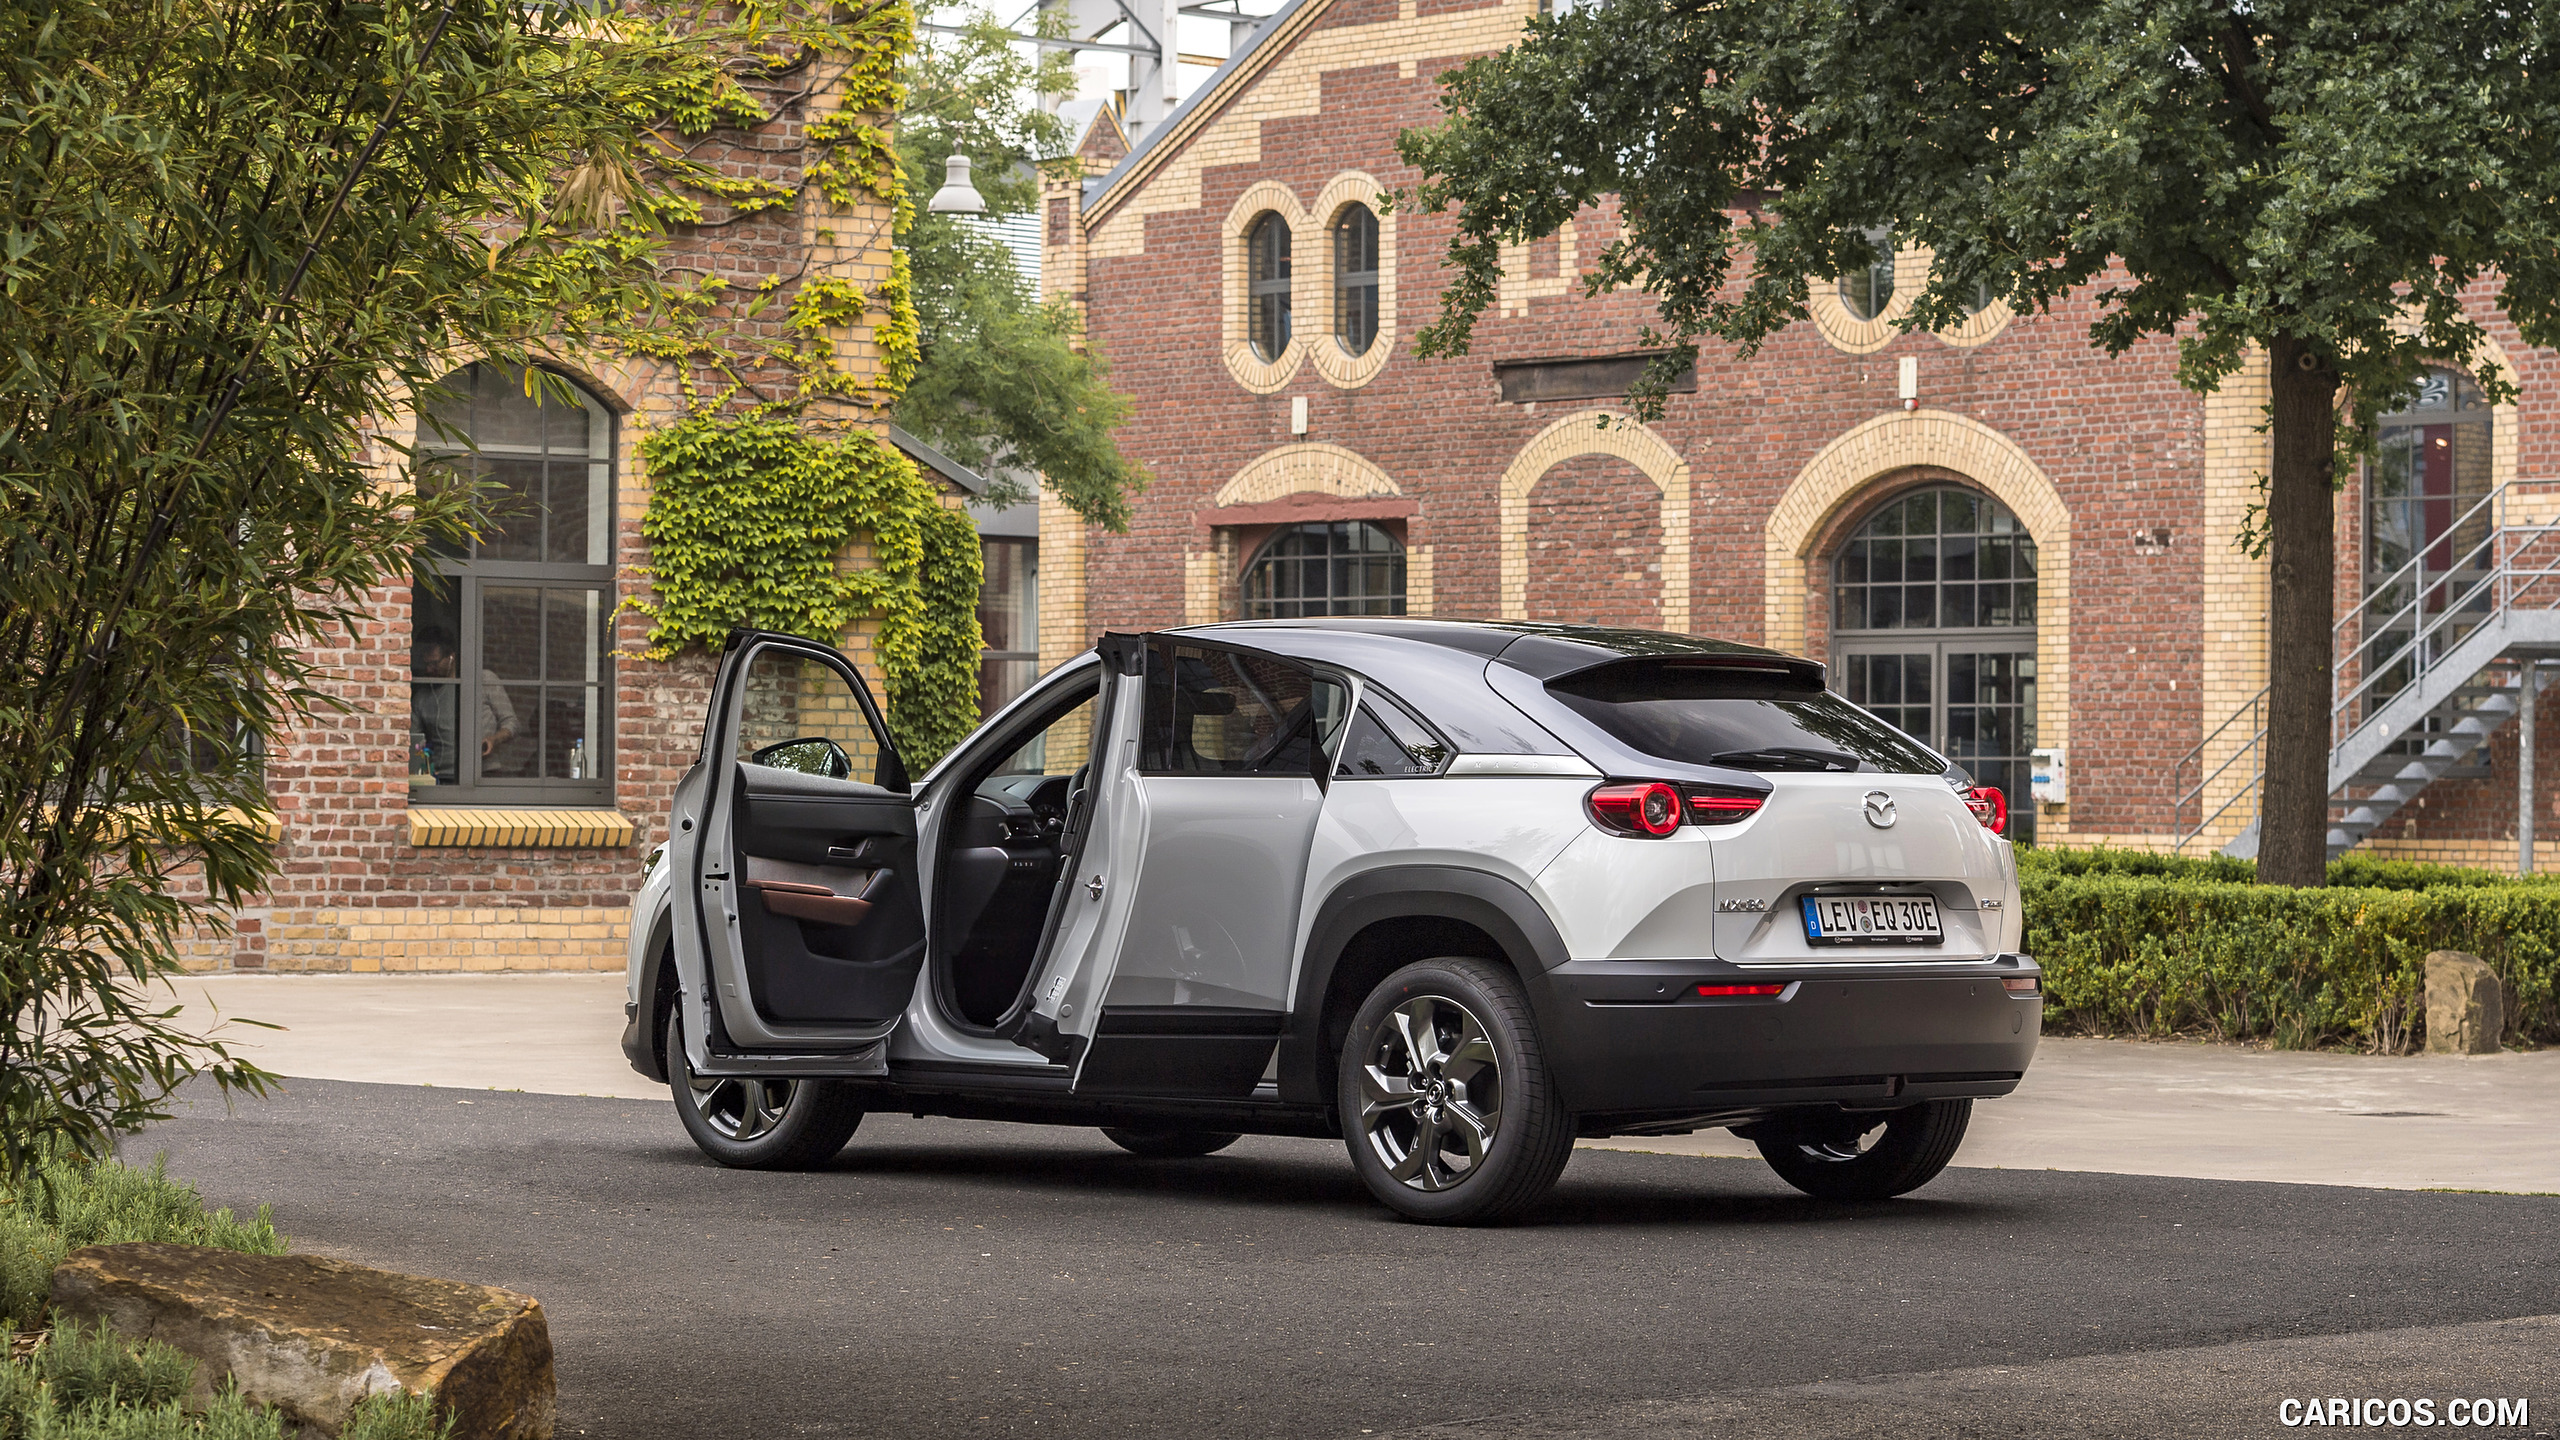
point(1004, 383)
point(234, 234)
point(2318, 180)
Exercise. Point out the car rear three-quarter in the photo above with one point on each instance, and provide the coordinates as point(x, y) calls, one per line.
point(1780, 913)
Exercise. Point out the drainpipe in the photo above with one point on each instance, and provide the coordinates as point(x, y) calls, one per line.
point(2524, 768)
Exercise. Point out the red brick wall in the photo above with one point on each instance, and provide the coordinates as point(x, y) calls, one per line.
point(1595, 544)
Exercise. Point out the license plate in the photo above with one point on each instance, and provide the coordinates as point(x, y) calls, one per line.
point(1871, 919)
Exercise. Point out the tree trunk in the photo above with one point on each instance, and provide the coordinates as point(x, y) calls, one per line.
point(2293, 830)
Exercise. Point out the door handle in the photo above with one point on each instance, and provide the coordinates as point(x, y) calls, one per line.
point(1093, 887)
point(844, 852)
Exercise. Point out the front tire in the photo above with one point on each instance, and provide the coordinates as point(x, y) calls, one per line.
point(1865, 1156)
point(760, 1122)
point(1170, 1144)
point(1446, 1101)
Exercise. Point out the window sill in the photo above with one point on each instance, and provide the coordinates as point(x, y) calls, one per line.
point(519, 827)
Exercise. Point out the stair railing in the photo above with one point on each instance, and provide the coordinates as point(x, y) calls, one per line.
point(2252, 717)
point(2392, 638)
point(2415, 617)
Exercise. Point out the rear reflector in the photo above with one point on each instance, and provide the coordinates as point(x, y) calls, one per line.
point(2024, 983)
point(1990, 805)
point(1718, 992)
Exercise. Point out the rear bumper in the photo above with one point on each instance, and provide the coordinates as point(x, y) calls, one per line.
point(1634, 1039)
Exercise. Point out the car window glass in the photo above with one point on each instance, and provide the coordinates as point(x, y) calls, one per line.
point(1743, 719)
point(1385, 742)
point(1060, 747)
point(1221, 712)
point(798, 712)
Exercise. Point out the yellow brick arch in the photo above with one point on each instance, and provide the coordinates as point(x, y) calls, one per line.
point(1304, 469)
point(1598, 432)
point(1841, 476)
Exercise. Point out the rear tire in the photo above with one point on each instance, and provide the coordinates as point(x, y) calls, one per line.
point(760, 1123)
point(1846, 1157)
point(1447, 1105)
point(1170, 1144)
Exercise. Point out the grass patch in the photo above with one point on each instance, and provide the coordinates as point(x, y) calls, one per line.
point(98, 1385)
point(84, 1384)
point(60, 1205)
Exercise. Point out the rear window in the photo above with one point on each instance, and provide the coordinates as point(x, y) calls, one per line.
point(1706, 714)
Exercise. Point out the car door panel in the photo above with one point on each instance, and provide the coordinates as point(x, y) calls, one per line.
point(800, 893)
point(1213, 832)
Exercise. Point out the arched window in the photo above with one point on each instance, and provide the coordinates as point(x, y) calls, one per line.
point(511, 696)
point(1866, 292)
point(1340, 567)
point(1355, 279)
point(1933, 628)
point(1267, 284)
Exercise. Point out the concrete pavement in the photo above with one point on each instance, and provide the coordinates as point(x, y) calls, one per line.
point(2178, 1109)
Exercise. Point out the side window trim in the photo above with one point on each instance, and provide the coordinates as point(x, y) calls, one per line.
point(891, 774)
point(1387, 704)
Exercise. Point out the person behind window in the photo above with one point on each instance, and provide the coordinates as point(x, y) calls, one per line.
point(435, 657)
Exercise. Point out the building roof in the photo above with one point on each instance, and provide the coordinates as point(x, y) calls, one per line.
point(943, 465)
point(1256, 53)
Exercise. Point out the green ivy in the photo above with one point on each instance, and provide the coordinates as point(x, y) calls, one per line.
point(748, 519)
point(750, 515)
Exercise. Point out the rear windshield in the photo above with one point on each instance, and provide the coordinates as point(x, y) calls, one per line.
point(1741, 719)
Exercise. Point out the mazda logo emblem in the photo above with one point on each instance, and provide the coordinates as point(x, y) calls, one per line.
point(1879, 809)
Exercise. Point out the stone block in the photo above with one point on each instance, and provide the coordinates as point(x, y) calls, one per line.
point(2466, 1009)
point(312, 1336)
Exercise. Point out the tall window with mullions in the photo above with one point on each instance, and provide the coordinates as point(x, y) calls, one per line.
point(510, 684)
point(1355, 279)
point(1339, 567)
point(1933, 629)
point(1267, 284)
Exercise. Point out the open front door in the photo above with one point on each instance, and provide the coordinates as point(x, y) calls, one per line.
point(799, 923)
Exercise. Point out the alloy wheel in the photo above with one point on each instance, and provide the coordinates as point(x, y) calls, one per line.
point(1431, 1093)
point(741, 1109)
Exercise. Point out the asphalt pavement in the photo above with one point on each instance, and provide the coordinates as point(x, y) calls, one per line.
point(957, 1278)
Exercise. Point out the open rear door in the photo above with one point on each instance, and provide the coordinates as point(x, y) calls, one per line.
point(1172, 977)
point(1089, 908)
point(799, 924)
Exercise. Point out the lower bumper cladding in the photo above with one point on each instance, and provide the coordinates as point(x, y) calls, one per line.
point(1656, 1036)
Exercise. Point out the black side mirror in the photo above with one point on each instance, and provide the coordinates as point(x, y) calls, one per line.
point(808, 754)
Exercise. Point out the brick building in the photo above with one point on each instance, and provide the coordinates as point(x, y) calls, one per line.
point(501, 767)
point(1998, 537)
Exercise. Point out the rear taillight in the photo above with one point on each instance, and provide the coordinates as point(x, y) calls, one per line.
point(1723, 808)
point(1990, 805)
point(1646, 807)
point(1720, 992)
point(1658, 808)
point(2019, 984)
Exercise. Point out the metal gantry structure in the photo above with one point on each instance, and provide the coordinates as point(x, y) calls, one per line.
point(1146, 34)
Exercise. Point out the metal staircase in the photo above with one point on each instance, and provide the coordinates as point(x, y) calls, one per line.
point(2429, 666)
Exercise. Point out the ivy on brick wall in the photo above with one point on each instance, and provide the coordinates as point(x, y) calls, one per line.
point(754, 520)
point(750, 522)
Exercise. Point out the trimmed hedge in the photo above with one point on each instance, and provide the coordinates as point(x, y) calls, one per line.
point(2146, 944)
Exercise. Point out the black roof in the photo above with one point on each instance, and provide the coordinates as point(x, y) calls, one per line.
point(1542, 649)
